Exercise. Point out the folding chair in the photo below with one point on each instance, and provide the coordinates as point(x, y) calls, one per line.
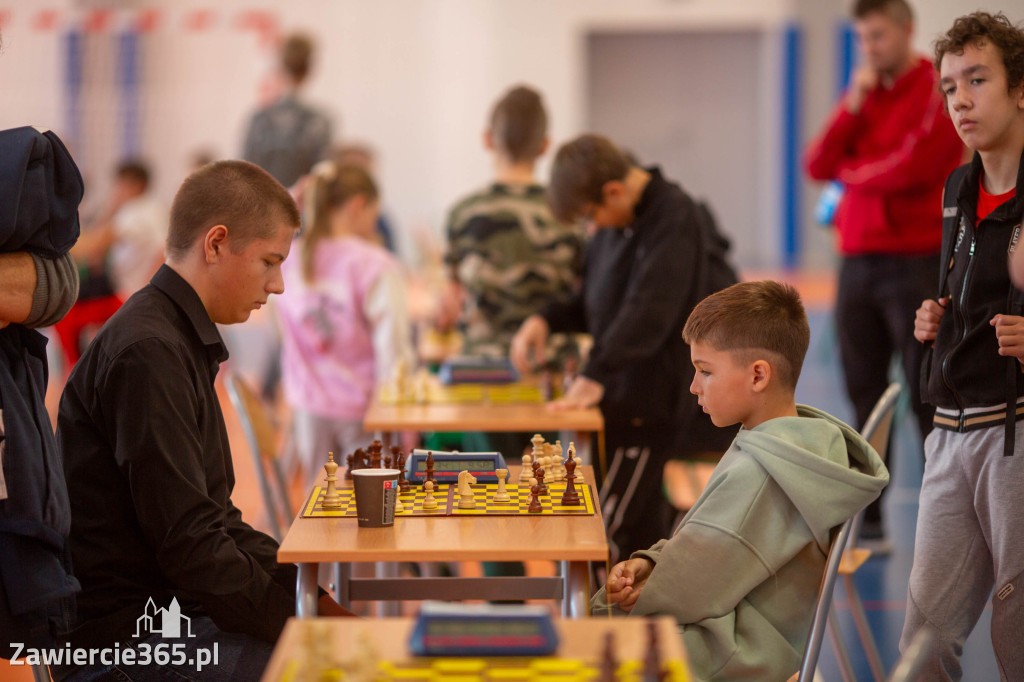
point(876, 431)
point(822, 610)
point(262, 438)
point(40, 673)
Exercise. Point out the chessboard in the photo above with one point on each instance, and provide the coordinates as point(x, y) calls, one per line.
point(486, 669)
point(447, 498)
point(439, 394)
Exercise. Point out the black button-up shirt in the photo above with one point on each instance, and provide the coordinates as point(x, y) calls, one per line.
point(149, 473)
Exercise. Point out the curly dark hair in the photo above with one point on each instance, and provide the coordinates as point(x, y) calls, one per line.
point(980, 28)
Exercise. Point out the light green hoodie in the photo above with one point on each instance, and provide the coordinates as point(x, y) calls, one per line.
point(742, 571)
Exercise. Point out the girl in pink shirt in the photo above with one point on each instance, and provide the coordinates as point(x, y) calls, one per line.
point(344, 321)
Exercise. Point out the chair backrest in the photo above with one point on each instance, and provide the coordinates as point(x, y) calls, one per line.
point(879, 424)
point(824, 603)
point(262, 439)
point(876, 432)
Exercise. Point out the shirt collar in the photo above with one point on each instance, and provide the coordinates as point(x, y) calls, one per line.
point(186, 298)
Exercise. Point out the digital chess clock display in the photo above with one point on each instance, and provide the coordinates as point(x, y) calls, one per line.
point(447, 465)
point(483, 630)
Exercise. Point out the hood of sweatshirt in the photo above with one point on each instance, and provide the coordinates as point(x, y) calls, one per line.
point(825, 467)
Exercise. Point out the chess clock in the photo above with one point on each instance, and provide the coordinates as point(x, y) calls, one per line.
point(453, 629)
point(447, 466)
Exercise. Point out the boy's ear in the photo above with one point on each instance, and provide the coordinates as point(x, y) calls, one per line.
point(214, 243)
point(761, 375)
point(488, 140)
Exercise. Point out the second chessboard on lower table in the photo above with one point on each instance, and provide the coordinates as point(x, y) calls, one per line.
point(447, 502)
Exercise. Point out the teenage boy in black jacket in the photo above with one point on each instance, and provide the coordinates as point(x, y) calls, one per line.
point(642, 276)
point(972, 496)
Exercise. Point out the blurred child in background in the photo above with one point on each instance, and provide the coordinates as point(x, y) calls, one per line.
point(344, 321)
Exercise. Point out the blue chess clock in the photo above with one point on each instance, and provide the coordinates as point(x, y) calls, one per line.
point(451, 629)
point(447, 466)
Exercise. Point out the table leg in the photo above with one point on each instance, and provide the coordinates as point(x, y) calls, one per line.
point(387, 609)
point(342, 572)
point(306, 591)
point(576, 589)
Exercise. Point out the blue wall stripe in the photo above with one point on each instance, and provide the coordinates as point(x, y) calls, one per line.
point(792, 56)
point(73, 90)
point(846, 55)
point(128, 87)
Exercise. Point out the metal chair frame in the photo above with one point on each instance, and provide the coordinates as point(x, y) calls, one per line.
point(876, 432)
point(261, 436)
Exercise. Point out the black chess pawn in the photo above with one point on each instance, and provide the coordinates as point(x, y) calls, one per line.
point(609, 665)
point(538, 473)
point(535, 506)
point(359, 459)
point(652, 671)
point(348, 471)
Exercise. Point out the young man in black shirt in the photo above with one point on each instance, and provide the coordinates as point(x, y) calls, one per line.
point(642, 276)
point(146, 453)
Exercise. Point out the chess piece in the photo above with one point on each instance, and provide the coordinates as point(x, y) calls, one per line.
point(538, 473)
point(348, 471)
point(400, 381)
point(331, 498)
point(559, 461)
point(429, 502)
point(525, 472)
point(399, 507)
point(535, 505)
point(466, 500)
point(652, 670)
point(546, 463)
point(399, 461)
point(375, 447)
point(609, 665)
point(421, 387)
point(387, 461)
point(502, 494)
point(570, 498)
point(359, 459)
point(572, 455)
point(430, 469)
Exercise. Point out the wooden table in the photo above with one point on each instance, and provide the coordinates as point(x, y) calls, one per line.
point(573, 541)
point(578, 639)
point(502, 417)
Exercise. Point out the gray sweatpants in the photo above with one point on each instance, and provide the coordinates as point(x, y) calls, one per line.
point(970, 539)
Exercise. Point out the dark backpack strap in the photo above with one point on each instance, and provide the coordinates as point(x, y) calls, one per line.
point(952, 223)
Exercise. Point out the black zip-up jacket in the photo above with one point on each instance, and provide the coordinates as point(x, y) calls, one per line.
point(965, 368)
point(640, 284)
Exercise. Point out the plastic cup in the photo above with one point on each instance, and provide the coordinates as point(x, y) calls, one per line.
point(376, 491)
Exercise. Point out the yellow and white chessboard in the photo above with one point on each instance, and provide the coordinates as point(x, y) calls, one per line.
point(447, 498)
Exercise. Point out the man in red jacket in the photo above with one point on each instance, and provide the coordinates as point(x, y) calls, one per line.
point(890, 143)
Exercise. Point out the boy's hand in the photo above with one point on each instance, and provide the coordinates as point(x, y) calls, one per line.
point(582, 393)
point(926, 322)
point(626, 582)
point(1010, 333)
point(531, 339)
point(449, 306)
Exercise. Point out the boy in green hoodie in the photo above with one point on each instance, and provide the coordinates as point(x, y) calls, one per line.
point(742, 570)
